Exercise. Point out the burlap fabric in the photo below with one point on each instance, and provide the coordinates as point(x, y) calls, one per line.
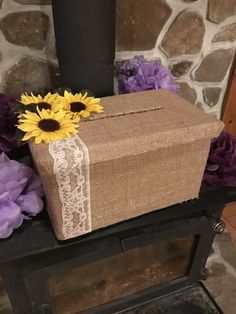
point(147, 151)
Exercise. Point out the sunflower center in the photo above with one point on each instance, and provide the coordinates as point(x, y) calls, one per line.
point(49, 125)
point(44, 105)
point(77, 106)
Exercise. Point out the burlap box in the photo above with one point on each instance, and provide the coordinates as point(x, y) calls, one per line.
point(146, 152)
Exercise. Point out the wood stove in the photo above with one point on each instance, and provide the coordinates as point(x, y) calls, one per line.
point(85, 40)
point(151, 258)
point(118, 268)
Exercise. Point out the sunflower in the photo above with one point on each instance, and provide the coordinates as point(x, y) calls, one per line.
point(47, 126)
point(80, 105)
point(50, 101)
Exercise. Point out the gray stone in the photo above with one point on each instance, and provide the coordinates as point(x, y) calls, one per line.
point(218, 269)
point(223, 289)
point(211, 95)
point(200, 106)
point(26, 28)
point(187, 92)
point(139, 24)
point(214, 66)
point(181, 68)
point(219, 10)
point(227, 248)
point(227, 33)
point(222, 273)
point(182, 37)
point(30, 75)
point(40, 2)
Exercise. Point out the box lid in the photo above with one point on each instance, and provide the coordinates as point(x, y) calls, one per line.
point(136, 123)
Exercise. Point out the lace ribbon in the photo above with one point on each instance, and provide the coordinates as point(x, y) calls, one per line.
point(71, 169)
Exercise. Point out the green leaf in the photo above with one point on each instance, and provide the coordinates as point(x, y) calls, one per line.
point(16, 107)
point(61, 90)
point(84, 91)
point(31, 107)
point(19, 135)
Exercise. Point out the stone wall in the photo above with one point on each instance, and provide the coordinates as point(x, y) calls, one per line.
point(195, 38)
point(27, 51)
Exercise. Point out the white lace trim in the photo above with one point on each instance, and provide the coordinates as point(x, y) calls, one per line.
point(71, 168)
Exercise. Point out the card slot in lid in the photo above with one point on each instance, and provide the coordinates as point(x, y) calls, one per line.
point(120, 114)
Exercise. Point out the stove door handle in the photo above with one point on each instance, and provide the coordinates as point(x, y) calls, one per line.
point(217, 225)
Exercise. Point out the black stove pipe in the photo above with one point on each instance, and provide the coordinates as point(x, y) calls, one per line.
point(85, 41)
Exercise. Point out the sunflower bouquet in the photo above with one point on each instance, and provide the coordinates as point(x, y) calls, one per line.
point(54, 117)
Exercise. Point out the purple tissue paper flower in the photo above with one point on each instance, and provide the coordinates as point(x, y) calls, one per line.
point(20, 195)
point(139, 74)
point(8, 120)
point(221, 164)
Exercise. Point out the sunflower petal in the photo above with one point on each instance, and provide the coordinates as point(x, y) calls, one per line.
point(95, 108)
point(38, 140)
point(27, 137)
point(85, 114)
point(26, 127)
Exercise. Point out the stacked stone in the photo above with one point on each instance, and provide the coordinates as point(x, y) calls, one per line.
point(28, 59)
point(195, 38)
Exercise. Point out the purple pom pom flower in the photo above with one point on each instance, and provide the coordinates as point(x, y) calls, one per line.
point(8, 121)
point(20, 195)
point(139, 74)
point(221, 165)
